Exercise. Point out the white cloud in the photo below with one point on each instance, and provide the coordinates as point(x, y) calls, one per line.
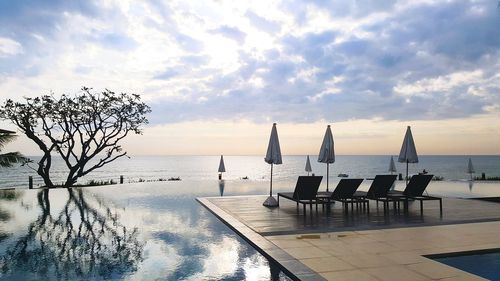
point(442, 84)
point(9, 47)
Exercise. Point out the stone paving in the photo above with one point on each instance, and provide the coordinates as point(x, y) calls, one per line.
point(332, 245)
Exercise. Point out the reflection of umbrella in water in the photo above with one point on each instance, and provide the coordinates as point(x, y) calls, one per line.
point(308, 166)
point(470, 169)
point(471, 184)
point(408, 153)
point(222, 167)
point(273, 156)
point(327, 152)
point(222, 184)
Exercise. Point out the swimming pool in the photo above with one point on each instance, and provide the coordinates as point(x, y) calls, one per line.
point(485, 263)
point(148, 231)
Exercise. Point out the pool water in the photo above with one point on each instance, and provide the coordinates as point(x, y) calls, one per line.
point(486, 265)
point(147, 231)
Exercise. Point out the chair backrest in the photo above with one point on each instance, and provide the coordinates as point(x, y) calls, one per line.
point(380, 186)
point(307, 187)
point(417, 185)
point(346, 188)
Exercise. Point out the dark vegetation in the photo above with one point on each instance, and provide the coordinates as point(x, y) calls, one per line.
point(85, 129)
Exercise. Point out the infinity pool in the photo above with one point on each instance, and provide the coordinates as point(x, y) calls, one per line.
point(148, 231)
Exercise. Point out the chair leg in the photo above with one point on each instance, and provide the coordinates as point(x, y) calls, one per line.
point(421, 207)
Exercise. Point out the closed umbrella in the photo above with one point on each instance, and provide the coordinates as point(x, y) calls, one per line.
point(273, 156)
point(470, 169)
point(408, 153)
point(392, 166)
point(308, 166)
point(392, 169)
point(327, 152)
point(222, 167)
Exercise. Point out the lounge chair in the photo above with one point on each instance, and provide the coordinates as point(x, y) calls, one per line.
point(305, 191)
point(379, 190)
point(344, 192)
point(415, 191)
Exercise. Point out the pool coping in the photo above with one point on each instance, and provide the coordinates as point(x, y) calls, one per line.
point(291, 266)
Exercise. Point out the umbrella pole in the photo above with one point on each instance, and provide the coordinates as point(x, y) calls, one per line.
point(271, 187)
point(327, 171)
point(406, 173)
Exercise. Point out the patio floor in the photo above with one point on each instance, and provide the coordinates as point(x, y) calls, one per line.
point(287, 219)
point(333, 245)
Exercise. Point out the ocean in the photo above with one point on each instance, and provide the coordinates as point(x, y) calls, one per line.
point(155, 168)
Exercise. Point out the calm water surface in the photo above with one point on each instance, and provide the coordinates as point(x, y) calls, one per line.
point(147, 231)
point(150, 168)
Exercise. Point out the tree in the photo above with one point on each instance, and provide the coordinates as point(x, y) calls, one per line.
point(10, 158)
point(84, 130)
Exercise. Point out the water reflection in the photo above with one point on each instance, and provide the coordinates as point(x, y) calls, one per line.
point(81, 240)
point(91, 233)
point(222, 184)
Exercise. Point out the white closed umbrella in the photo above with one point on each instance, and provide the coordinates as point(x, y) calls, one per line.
point(408, 153)
point(327, 152)
point(392, 166)
point(392, 169)
point(273, 156)
point(308, 165)
point(470, 169)
point(222, 167)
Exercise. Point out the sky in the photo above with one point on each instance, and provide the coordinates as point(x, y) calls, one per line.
point(217, 74)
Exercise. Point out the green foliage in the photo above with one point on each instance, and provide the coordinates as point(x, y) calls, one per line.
point(10, 158)
point(488, 178)
point(97, 183)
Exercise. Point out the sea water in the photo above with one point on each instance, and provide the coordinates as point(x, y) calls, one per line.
point(253, 168)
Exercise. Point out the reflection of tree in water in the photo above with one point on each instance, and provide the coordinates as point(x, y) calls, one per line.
point(6, 195)
point(80, 242)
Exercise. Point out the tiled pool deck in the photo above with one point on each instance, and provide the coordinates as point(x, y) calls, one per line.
point(360, 246)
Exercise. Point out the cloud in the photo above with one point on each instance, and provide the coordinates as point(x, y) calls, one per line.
point(231, 33)
point(297, 61)
point(263, 24)
point(9, 47)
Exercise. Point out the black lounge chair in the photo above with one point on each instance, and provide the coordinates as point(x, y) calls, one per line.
point(344, 192)
point(379, 190)
point(305, 191)
point(415, 191)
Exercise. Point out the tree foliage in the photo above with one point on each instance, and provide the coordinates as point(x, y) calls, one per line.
point(10, 158)
point(85, 129)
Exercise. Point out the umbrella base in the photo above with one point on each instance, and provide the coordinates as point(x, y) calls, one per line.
point(270, 202)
